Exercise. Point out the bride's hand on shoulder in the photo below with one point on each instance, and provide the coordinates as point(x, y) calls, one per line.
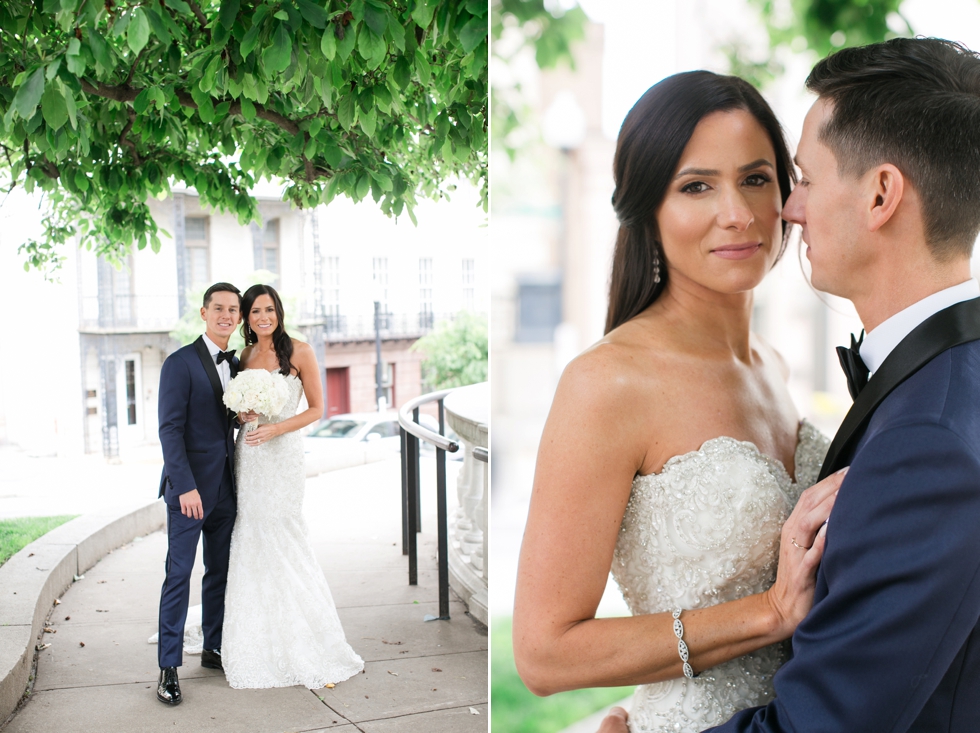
point(800, 551)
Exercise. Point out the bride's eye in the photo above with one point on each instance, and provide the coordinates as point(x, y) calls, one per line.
point(758, 179)
point(695, 187)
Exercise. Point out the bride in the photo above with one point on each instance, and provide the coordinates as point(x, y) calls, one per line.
point(670, 452)
point(281, 626)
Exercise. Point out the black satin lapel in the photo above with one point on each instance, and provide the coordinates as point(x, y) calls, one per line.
point(958, 324)
point(211, 370)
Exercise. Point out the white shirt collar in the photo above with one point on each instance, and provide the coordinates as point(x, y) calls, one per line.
point(213, 348)
point(880, 342)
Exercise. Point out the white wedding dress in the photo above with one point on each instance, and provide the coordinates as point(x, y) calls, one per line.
point(281, 626)
point(703, 531)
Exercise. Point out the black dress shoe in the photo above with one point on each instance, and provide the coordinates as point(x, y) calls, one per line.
point(168, 691)
point(211, 658)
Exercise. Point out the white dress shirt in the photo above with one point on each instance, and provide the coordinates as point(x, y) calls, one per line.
point(224, 368)
point(880, 342)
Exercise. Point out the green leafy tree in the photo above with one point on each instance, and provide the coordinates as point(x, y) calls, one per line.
point(820, 26)
point(456, 352)
point(104, 103)
point(551, 32)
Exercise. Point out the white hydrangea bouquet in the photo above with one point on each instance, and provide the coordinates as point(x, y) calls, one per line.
point(257, 390)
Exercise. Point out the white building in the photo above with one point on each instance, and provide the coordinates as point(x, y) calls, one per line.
point(81, 373)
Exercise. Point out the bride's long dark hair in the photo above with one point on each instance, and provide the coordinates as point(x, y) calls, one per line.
point(650, 145)
point(281, 341)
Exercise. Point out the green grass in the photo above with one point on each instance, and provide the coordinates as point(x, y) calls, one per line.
point(517, 710)
point(15, 534)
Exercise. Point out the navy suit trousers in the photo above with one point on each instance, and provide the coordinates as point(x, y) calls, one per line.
point(183, 534)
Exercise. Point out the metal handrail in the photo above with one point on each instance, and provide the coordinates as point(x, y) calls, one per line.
point(411, 432)
point(481, 454)
point(412, 425)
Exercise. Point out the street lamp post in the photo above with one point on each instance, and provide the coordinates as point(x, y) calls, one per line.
point(379, 393)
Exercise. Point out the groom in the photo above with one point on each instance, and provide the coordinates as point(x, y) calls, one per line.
point(198, 483)
point(889, 203)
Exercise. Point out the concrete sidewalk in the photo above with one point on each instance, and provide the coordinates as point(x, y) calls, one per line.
point(99, 673)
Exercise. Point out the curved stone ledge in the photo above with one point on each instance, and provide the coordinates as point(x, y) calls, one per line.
point(467, 412)
point(32, 579)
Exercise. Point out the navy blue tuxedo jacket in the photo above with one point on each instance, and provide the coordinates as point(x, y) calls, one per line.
point(893, 640)
point(196, 429)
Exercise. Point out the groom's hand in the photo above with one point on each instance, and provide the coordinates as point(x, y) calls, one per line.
point(615, 722)
point(191, 506)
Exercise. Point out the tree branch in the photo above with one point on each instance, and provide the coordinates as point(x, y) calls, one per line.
point(123, 141)
point(201, 18)
point(126, 93)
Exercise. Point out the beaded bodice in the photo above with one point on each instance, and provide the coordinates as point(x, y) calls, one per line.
point(703, 531)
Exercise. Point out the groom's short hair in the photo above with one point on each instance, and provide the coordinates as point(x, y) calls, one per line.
point(914, 103)
point(221, 287)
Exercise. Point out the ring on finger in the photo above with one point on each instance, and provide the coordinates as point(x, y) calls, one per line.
point(799, 547)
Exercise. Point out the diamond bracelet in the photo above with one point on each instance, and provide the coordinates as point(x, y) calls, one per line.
point(682, 645)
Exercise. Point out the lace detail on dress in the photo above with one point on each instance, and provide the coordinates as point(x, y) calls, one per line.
point(705, 530)
point(281, 626)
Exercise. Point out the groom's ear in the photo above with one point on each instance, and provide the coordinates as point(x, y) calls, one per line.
point(886, 192)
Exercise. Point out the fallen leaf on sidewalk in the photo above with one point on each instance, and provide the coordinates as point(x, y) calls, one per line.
point(330, 685)
point(57, 602)
point(394, 674)
point(81, 643)
point(67, 618)
point(77, 577)
point(30, 554)
point(49, 630)
point(42, 647)
point(436, 669)
point(474, 711)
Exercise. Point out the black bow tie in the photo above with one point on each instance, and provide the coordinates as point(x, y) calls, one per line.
point(853, 365)
point(226, 356)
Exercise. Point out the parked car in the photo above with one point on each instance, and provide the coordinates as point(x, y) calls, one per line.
point(379, 428)
point(359, 427)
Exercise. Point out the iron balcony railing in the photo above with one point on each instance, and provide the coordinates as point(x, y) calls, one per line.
point(339, 328)
point(411, 433)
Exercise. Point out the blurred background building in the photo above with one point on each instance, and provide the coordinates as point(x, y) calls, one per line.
point(81, 371)
point(554, 227)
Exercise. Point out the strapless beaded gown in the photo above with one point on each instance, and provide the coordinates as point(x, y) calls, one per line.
point(281, 626)
point(703, 531)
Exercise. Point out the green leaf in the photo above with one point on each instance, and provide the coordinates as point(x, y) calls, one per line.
point(72, 108)
point(53, 67)
point(363, 185)
point(158, 98)
point(368, 122)
point(332, 154)
point(281, 15)
point(346, 111)
point(313, 13)
point(422, 64)
point(29, 94)
point(180, 6)
point(276, 57)
point(473, 33)
point(142, 101)
point(316, 124)
point(248, 109)
point(100, 49)
point(371, 47)
point(138, 32)
point(328, 44)
point(53, 106)
point(402, 72)
point(228, 13)
point(423, 12)
point(346, 44)
point(250, 39)
point(81, 180)
point(376, 18)
point(157, 25)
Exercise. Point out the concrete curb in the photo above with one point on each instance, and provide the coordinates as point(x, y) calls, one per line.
point(32, 579)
